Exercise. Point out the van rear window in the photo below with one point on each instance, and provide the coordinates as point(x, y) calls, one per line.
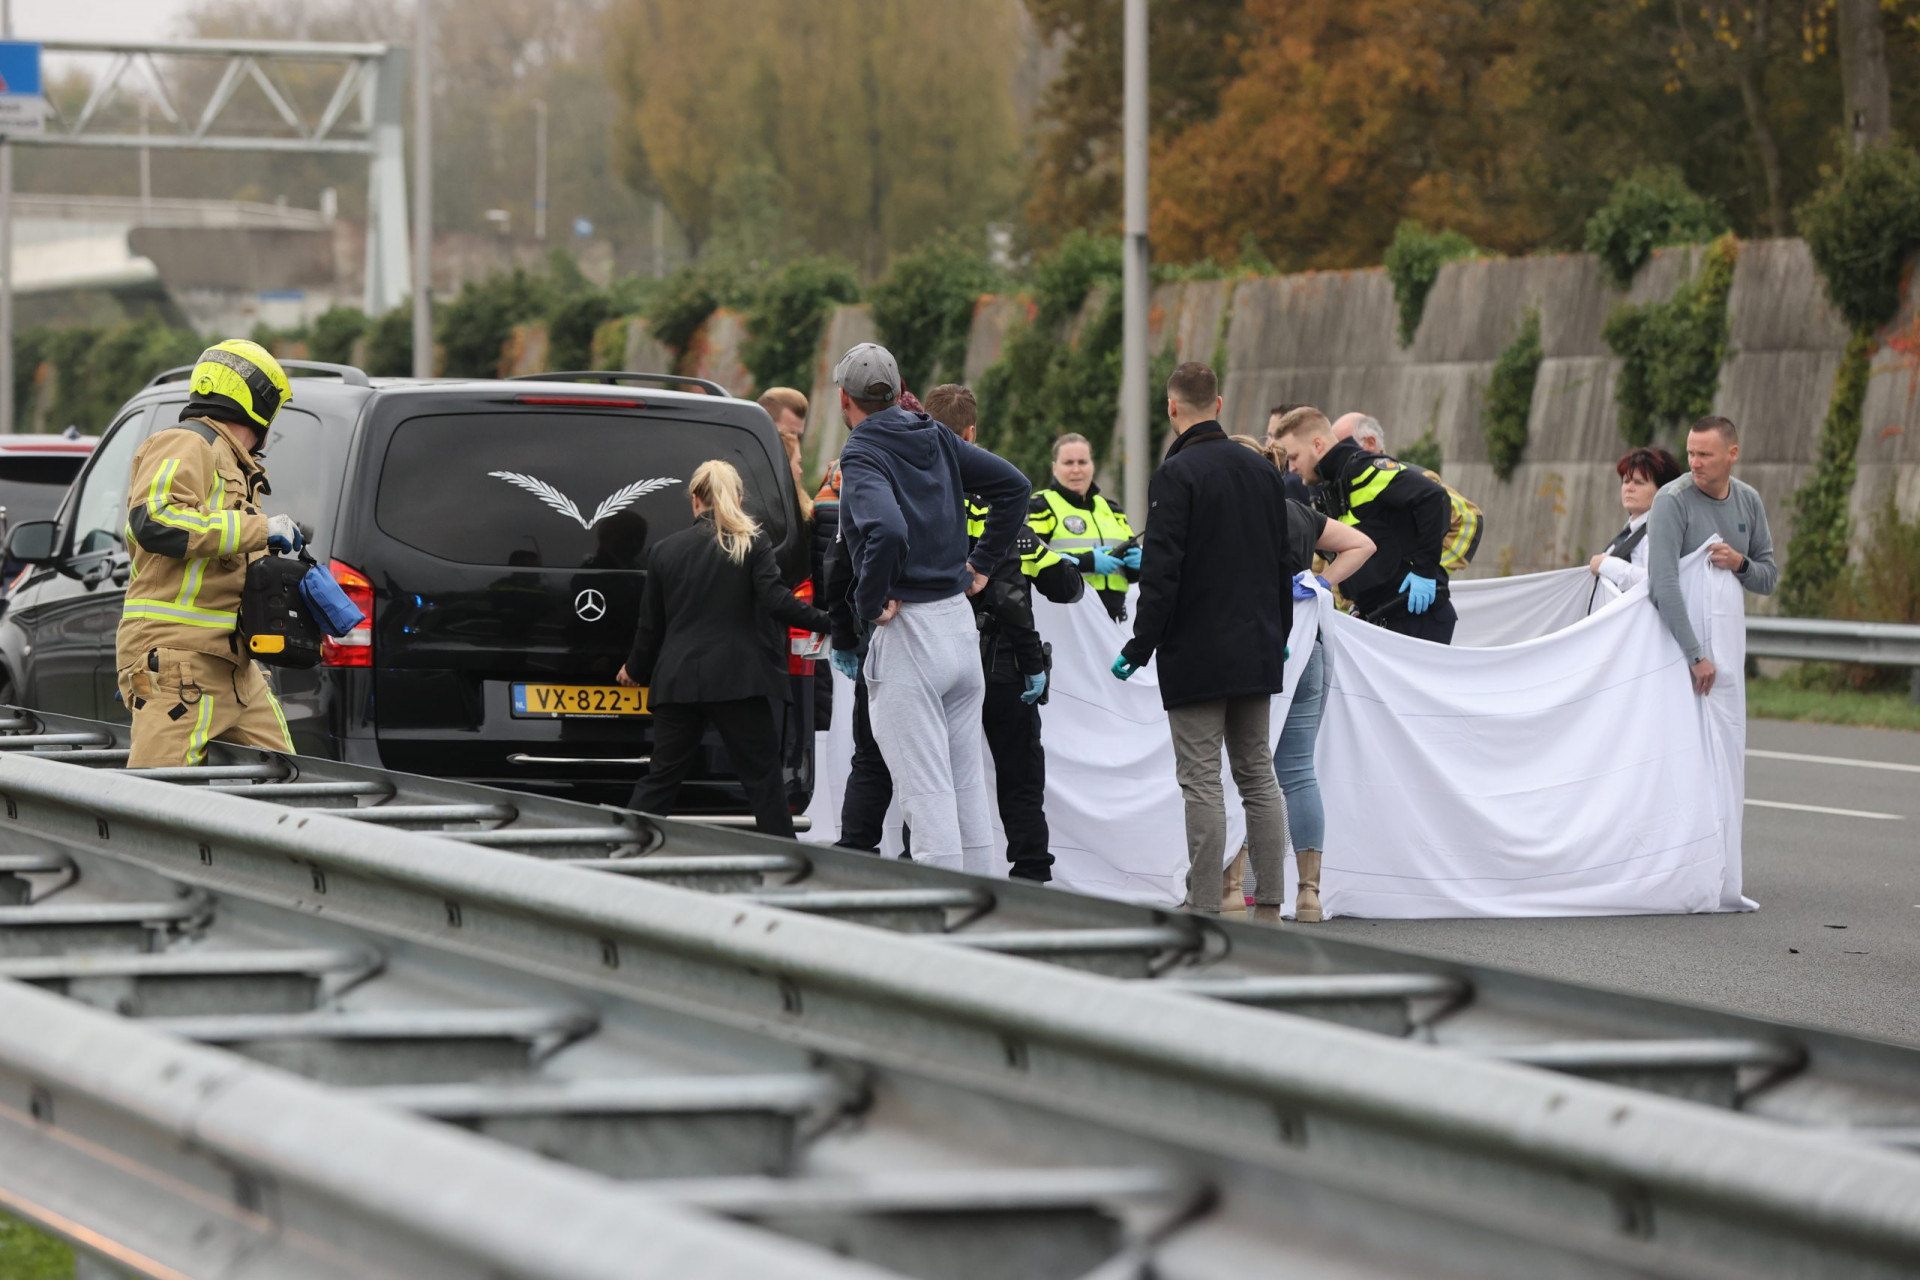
point(557, 491)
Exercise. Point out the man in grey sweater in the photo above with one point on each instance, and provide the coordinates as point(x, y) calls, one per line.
point(1692, 509)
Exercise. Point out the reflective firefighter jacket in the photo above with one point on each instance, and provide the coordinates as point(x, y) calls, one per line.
point(193, 523)
point(1010, 645)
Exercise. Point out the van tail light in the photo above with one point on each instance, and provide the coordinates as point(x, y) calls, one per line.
point(355, 649)
point(803, 646)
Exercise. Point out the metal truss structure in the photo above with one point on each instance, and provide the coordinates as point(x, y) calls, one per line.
point(362, 116)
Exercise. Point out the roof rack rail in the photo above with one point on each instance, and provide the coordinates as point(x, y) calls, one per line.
point(345, 372)
point(614, 377)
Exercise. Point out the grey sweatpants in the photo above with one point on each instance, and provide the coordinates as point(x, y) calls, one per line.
point(1199, 729)
point(924, 694)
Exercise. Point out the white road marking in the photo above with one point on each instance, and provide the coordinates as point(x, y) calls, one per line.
point(1838, 813)
point(1857, 764)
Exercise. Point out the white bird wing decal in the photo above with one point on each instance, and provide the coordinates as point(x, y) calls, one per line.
point(546, 493)
point(622, 499)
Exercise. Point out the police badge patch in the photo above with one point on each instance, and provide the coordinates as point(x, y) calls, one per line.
point(1074, 524)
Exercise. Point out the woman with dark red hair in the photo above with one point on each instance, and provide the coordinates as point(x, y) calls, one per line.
point(1642, 474)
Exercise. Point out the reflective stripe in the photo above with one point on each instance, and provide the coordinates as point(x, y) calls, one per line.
point(202, 729)
point(166, 611)
point(1466, 530)
point(1106, 528)
point(163, 510)
point(282, 718)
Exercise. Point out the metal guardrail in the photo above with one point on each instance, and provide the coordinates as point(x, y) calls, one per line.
point(1239, 1127)
point(1875, 644)
point(1884, 644)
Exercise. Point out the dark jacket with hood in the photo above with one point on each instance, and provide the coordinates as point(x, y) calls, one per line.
point(904, 481)
point(1216, 572)
point(1407, 519)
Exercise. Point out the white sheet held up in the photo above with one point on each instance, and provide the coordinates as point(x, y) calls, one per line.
point(1575, 773)
point(1547, 763)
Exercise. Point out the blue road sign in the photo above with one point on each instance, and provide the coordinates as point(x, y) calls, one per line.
point(19, 69)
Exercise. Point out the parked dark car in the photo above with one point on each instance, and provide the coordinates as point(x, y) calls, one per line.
point(493, 531)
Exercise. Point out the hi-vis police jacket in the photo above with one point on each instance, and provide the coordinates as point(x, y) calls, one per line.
point(193, 524)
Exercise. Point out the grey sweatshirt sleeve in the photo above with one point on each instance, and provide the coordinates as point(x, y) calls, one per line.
point(1761, 575)
point(1665, 535)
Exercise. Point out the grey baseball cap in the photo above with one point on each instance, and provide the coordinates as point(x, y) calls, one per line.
point(868, 372)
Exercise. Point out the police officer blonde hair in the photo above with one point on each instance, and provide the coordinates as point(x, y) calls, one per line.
point(1072, 437)
point(718, 487)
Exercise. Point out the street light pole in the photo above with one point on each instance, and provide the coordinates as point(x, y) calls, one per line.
point(540, 169)
point(1135, 289)
point(422, 189)
point(6, 256)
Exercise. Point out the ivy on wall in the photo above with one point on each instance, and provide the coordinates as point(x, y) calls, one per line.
point(1413, 263)
point(1647, 210)
point(1822, 525)
point(1510, 397)
point(1672, 351)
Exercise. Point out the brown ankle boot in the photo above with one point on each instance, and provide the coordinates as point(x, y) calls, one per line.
point(1306, 902)
point(1233, 900)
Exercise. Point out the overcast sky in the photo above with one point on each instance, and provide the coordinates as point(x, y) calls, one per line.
point(118, 19)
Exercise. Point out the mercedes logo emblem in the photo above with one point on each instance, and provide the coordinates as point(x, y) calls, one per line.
point(591, 606)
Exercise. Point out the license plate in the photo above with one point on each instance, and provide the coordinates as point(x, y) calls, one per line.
point(556, 701)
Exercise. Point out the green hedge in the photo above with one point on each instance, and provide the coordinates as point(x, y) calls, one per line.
point(924, 309)
point(1822, 525)
point(1413, 263)
point(390, 344)
point(786, 318)
point(334, 332)
point(1510, 397)
point(1650, 209)
point(1861, 226)
point(1672, 351)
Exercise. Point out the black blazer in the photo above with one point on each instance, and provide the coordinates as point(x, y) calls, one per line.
point(712, 630)
point(1216, 572)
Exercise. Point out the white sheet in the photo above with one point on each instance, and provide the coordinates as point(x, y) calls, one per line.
point(1548, 763)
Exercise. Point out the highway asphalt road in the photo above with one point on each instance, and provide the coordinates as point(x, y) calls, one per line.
point(1836, 942)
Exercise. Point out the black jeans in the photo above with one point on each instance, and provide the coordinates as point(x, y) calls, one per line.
point(1436, 624)
point(1020, 779)
point(752, 740)
point(863, 805)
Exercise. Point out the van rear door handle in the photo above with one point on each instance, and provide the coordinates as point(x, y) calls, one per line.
point(121, 570)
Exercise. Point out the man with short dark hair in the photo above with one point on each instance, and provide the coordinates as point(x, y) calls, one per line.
point(1216, 605)
point(1014, 659)
point(1708, 500)
point(787, 408)
point(903, 529)
point(1403, 587)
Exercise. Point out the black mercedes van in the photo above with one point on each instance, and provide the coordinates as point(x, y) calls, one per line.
point(495, 533)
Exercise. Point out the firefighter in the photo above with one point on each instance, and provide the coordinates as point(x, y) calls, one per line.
point(1080, 523)
point(194, 523)
point(1015, 661)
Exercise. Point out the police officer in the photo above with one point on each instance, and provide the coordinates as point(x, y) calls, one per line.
point(1403, 587)
point(1074, 518)
point(194, 522)
point(1015, 662)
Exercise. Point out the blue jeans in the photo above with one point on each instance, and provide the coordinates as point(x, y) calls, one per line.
point(1293, 758)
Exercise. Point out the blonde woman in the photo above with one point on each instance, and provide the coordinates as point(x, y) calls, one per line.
point(711, 648)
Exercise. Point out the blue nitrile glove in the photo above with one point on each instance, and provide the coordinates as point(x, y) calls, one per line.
point(1132, 558)
point(846, 662)
point(1324, 584)
point(283, 535)
point(1122, 668)
point(1420, 592)
point(1104, 561)
point(1302, 589)
point(337, 614)
point(1036, 685)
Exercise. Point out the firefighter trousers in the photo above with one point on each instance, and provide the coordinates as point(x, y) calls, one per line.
point(182, 699)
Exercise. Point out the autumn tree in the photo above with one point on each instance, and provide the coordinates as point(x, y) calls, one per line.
point(860, 126)
point(1191, 59)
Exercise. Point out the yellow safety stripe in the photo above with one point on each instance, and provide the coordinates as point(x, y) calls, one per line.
point(202, 730)
point(281, 716)
point(168, 611)
point(164, 511)
point(1469, 524)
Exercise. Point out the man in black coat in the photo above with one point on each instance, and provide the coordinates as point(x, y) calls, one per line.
point(1216, 604)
